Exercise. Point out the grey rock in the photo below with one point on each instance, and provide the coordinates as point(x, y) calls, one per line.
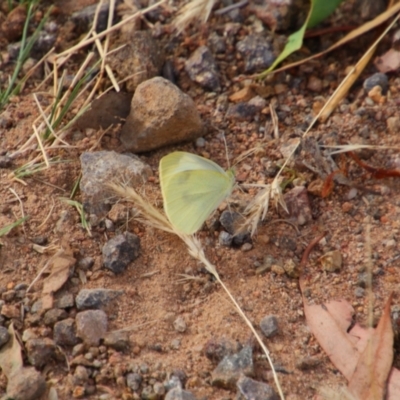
point(161, 114)
point(91, 326)
point(5, 161)
point(43, 44)
point(95, 298)
point(26, 384)
point(378, 79)
point(242, 111)
point(217, 43)
point(8, 295)
point(280, 15)
point(40, 351)
point(119, 251)
point(53, 315)
point(257, 53)
point(4, 336)
point(359, 292)
point(175, 344)
point(298, 205)
point(84, 17)
point(102, 167)
point(179, 394)
point(80, 376)
point(228, 371)
point(202, 69)
point(180, 325)
point(249, 389)
point(308, 363)
point(64, 300)
point(232, 222)
point(118, 340)
point(216, 349)
point(64, 332)
point(225, 239)
point(37, 306)
point(269, 326)
point(86, 263)
point(133, 381)
point(141, 59)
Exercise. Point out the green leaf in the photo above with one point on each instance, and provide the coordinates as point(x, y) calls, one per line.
point(320, 9)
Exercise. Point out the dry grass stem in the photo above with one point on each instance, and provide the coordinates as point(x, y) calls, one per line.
point(353, 147)
point(21, 206)
point(194, 10)
point(46, 160)
point(274, 119)
point(151, 216)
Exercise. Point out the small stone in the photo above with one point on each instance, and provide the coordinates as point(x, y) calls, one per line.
point(362, 279)
point(298, 205)
point(159, 389)
point(95, 298)
point(78, 349)
point(225, 239)
point(202, 69)
point(91, 326)
point(40, 351)
point(200, 142)
point(242, 111)
point(375, 94)
point(5, 162)
point(269, 326)
point(359, 292)
point(347, 207)
point(11, 311)
point(99, 168)
point(308, 363)
point(53, 315)
point(351, 194)
point(13, 25)
point(161, 114)
point(8, 295)
point(65, 300)
point(232, 222)
point(26, 384)
point(314, 84)
point(331, 261)
point(86, 263)
point(216, 349)
point(180, 325)
point(4, 336)
point(175, 344)
point(393, 125)
point(257, 53)
point(246, 247)
point(118, 340)
point(148, 393)
point(179, 394)
point(254, 390)
point(232, 367)
point(78, 392)
point(81, 375)
point(85, 16)
point(133, 381)
point(119, 251)
point(377, 79)
point(65, 332)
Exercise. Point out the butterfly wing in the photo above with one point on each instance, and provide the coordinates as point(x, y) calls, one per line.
point(192, 188)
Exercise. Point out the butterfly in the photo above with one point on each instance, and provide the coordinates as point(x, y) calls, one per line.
point(192, 188)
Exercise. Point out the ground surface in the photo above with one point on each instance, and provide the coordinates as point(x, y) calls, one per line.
point(152, 301)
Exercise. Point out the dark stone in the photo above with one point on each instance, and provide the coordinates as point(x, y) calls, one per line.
point(84, 17)
point(378, 79)
point(232, 367)
point(26, 384)
point(232, 222)
point(4, 336)
point(119, 251)
point(65, 333)
point(269, 326)
point(250, 389)
point(242, 111)
point(202, 69)
point(40, 351)
point(118, 340)
point(91, 326)
point(257, 53)
point(53, 315)
point(216, 349)
point(95, 298)
point(225, 239)
point(5, 162)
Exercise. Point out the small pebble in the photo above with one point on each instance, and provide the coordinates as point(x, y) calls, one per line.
point(180, 325)
point(269, 326)
point(378, 79)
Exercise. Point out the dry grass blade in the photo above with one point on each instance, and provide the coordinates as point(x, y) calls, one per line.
point(152, 217)
point(345, 148)
point(380, 19)
point(352, 76)
point(194, 10)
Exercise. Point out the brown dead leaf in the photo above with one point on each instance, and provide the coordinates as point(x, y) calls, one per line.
point(61, 264)
point(329, 323)
point(10, 354)
point(375, 362)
